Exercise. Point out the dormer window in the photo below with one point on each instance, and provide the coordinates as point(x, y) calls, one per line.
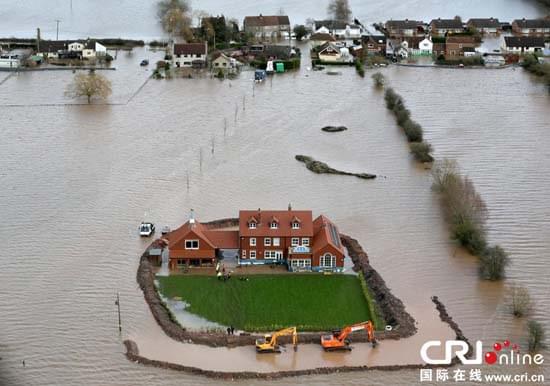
point(295, 225)
point(273, 225)
point(252, 225)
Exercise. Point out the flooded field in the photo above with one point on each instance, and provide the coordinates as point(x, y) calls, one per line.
point(77, 180)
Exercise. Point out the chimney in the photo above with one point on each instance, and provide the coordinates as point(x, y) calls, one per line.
point(289, 206)
point(259, 216)
point(192, 217)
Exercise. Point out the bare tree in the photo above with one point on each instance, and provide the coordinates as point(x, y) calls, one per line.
point(89, 85)
point(175, 17)
point(519, 301)
point(339, 10)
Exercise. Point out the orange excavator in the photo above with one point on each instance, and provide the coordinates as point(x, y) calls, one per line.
point(339, 339)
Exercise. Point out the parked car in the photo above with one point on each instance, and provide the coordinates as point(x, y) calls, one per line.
point(144, 62)
point(146, 229)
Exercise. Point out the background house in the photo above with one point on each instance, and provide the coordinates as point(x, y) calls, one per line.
point(320, 38)
point(444, 26)
point(269, 28)
point(400, 28)
point(330, 53)
point(539, 27)
point(190, 54)
point(338, 29)
point(485, 26)
point(225, 63)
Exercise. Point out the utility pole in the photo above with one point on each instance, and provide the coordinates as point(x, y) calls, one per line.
point(57, 29)
point(117, 302)
point(38, 40)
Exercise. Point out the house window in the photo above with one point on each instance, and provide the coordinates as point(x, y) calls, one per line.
point(181, 263)
point(295, 242)
point(273, 225)
point(243, 254)
point(267, 242)
point(301, 263)
point(305, 241)
point(327, 261)
point(191, 244)
point(276, 241)
point(276, 255)
point(252, 225)
point(295, 225)
point(252, 254)
point(252, 241)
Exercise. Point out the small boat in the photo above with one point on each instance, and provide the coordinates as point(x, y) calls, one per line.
point(165, 229)
point(144, 62)
point(146, 229)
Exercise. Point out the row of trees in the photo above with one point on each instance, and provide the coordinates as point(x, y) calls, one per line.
point(394, 102)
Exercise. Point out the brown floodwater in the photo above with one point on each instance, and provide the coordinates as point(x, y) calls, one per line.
point(77, 180)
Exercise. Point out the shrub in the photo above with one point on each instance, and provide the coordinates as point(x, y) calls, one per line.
point(520, 301)
point(391, 98)
point(379, 79)
point(536, 336)
point(444, 175)
point(493, 263)
point(359, 67)
point(413, 130)
point(472, 237)
point(402, 114)
point(421, 151)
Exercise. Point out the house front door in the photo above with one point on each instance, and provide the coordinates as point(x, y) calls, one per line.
point(278, 255)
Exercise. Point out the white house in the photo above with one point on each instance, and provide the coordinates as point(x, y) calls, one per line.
point(426, 46)
point(338, 29)
point(75, 47)
point(226, 64)
point(190, 54)
point(522, 44)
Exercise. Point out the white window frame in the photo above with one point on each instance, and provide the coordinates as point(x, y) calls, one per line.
point(276, 241)
point(273, 225)
point(192, 242)
point(252, 242)
point(252, 225)
point(295, 241)
point(253, 254)
point(323, 260)
point(295, 225)
point(267, 241)
point(305, 241)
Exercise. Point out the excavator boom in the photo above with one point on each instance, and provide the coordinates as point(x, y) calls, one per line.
point(340, 341)
point(269, 343)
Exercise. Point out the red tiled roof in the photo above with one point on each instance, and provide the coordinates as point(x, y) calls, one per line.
point(223, 239)
point(285, 220)
point(190, 49)
point(326, 233)
point(183, 231)
point(319, 36)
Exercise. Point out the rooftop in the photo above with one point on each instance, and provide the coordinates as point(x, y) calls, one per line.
point(532, 23)
point(524, 41)
point(264, 21)
point(485, 23)
point(446, 23)
point(190, 49)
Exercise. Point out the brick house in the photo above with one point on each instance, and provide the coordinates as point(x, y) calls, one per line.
point(291, 236)
point(267, 27)
point(523, 44)
point(455, 44)
point(375, 44)
point(194, 245)
point(190, 54)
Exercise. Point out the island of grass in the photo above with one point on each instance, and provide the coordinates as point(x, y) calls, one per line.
point(310, 302)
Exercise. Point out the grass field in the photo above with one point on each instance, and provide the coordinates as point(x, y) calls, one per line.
point(270, 302)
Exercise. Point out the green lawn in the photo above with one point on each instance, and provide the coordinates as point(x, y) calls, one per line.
point(270, 302)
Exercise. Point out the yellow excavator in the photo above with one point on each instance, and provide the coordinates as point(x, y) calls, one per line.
point(268, 344)
point(339, 340)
